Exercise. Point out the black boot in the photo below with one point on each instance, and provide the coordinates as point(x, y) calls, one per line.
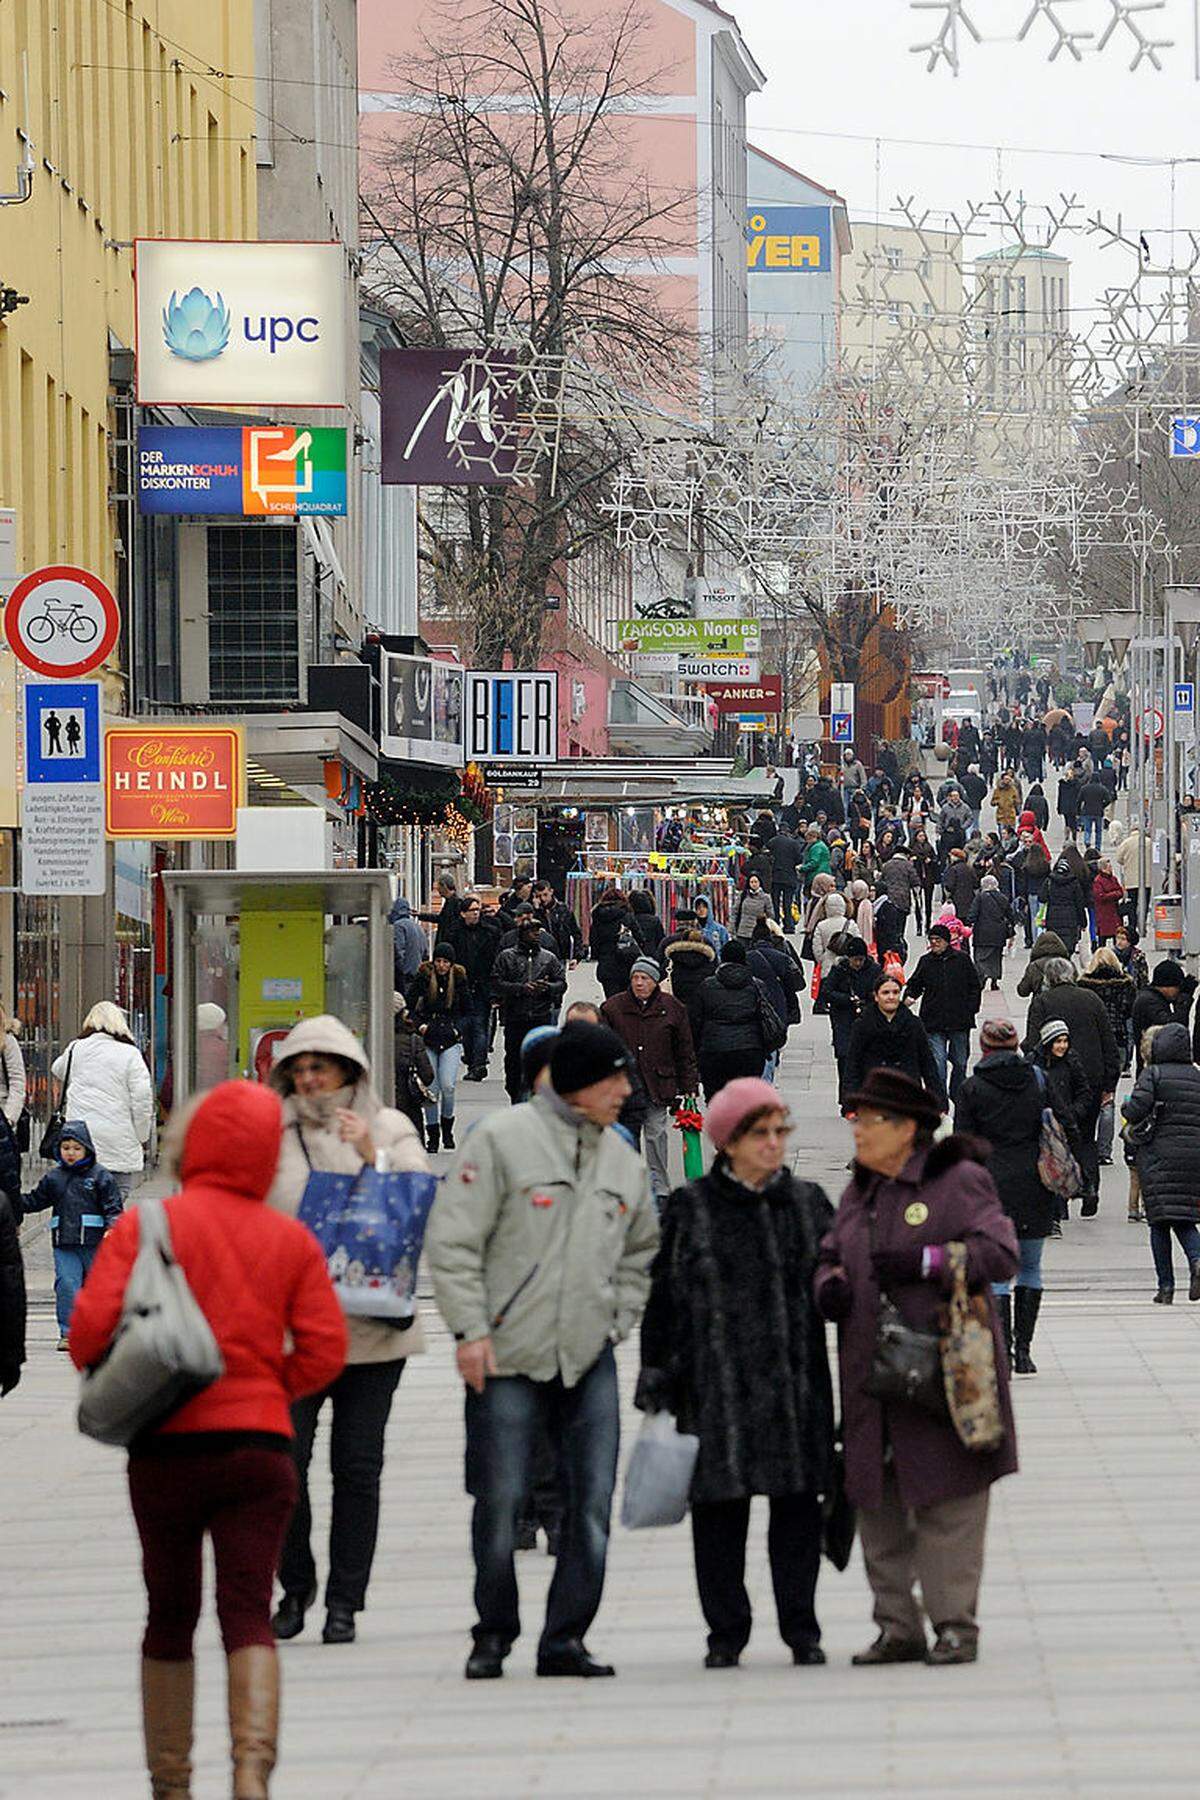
point(433, 1139)
point(1004, 1302)
point(447, 1133)
point(288, 1621)
point(1027, 1302)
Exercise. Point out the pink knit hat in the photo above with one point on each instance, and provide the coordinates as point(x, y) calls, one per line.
point(735, 1102)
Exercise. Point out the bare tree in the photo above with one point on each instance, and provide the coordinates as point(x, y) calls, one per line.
point(504, 209)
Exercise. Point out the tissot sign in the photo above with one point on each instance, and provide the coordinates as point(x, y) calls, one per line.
point(240, 324)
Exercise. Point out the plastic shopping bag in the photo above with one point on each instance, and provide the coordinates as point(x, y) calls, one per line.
point(659, 1477)
point(370, 1227)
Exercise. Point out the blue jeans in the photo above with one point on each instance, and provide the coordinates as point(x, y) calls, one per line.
point(583, 1425)
point(1160, 1245)
point(1030, 1272)
point(475, 1032)
point(1093, 829)
point(953, 1047)
point(70, 1272)
point(446, 1064)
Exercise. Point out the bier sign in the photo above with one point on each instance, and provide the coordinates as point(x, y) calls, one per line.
point(511, 716)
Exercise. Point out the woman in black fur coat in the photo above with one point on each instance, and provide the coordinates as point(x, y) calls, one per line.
point(733, 1345)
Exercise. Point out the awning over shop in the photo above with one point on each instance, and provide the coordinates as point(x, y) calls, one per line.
point(287, 754)
point(624, 781)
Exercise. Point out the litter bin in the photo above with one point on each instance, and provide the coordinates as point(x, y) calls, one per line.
point(1168, 925)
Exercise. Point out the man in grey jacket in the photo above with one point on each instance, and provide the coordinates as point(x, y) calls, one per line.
point(540, 1246)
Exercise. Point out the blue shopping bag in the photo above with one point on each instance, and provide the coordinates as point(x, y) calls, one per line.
point(370, 1227)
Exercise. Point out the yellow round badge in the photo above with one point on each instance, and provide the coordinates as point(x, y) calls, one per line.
point(916, 1214)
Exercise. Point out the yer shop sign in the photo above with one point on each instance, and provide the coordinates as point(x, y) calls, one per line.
point(512, 716)
point(240, 324)
point(174, 783)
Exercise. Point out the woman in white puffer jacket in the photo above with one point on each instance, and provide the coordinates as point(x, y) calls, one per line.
point(105, 1082)
point(831, 927)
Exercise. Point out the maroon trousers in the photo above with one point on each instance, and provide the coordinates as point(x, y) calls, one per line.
point(242, 1498)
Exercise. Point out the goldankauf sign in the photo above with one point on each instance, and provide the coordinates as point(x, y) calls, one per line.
point(250, 324)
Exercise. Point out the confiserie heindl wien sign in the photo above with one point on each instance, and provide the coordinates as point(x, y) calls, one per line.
point(174, 782)
point(230, 323)
point(247, 471)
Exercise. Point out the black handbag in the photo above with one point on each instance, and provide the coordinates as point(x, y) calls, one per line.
point(906, 1364)
point(839, 1517)
point(58, 1118)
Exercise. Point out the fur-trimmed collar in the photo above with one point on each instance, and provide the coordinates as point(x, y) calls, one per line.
point(685, 947)
point(959, 1147)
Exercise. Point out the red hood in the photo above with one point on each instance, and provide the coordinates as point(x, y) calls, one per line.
point(233, 1139)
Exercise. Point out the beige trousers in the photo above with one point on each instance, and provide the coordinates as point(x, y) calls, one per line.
point(940, 1546)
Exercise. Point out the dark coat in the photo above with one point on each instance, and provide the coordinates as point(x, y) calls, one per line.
point(787, 853)
point(1065, 911)
point(689, 964)
point(947, 983)
point(1150, 1007)
point(1094, 796)
point(411, 1060)
point(775, 970)
point(1045, 945)
point(732, 1340)
point(845, 991)
point(992, 920)
point(438, 1005)
point(959, 1204)
point(12, 1293)
point(476, 947)
point(608, 921)
point(1117, 994)
point(1002, 1102)
point(83, 1198)
point(960, 884)
point(1167, 1165)
point(901, 1042)
point(657, 1032)
point(563, 927)
point(514, 970)
point(1092, 1038)
point(1068, 1093)
point(646, 925)
point(726, 1014)
point(1068, 801)
point(1039, 806)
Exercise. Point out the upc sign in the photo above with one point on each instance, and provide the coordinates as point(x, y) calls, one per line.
point(214, 328)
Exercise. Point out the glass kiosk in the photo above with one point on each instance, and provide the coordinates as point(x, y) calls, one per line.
point(251, 954)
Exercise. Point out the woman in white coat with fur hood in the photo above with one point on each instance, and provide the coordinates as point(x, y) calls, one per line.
point(334, 1120)
point(105, 1082)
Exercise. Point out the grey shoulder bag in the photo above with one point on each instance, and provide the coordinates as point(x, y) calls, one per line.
point(163, 1352)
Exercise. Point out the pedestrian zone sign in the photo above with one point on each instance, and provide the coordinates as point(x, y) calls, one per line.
point(842, 727)
point(1185, 697)
point(62, 731)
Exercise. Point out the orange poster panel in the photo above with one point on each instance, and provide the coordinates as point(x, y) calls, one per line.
point(161, 782)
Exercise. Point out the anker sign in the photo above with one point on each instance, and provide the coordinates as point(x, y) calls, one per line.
point(765, 696)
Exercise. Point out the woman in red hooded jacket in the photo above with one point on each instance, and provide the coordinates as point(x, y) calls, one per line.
point(221, 1465)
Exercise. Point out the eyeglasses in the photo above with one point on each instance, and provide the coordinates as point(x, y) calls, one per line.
point(875, 1118)
point(770, 1131)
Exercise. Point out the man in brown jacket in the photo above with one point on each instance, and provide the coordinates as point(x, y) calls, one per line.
point(654, 1027)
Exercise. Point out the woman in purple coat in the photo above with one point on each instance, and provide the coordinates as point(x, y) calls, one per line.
point(922, 1495)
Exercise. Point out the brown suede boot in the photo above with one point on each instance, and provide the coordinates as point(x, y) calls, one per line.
point(168, 1694)
point(253, 1719)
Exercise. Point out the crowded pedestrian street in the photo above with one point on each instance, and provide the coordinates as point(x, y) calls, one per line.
point(1091, 1630)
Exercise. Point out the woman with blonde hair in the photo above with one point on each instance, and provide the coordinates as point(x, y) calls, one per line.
point(103, 1079)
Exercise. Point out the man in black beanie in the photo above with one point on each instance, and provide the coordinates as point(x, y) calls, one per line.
point(540, 1244)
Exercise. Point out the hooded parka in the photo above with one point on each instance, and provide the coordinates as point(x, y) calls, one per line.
point(109, 1089)
point(311, 1140)
point(1065, 910)
point(1168, 1165)
point(689, 963)
point(259, 1278)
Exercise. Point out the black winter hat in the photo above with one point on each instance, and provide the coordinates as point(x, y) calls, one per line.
point(734, 951)
point(892, 1091)
point(584, 1054)
point(939, 930)
point(1167, 974)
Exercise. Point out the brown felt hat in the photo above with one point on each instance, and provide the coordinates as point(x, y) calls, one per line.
point(891, 1091)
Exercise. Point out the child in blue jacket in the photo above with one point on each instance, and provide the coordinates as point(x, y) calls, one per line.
point(85, 1201)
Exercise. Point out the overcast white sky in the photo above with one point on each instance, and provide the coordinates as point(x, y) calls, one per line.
point(844, 66)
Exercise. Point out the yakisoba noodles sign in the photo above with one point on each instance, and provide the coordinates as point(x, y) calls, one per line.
point(168, 783)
